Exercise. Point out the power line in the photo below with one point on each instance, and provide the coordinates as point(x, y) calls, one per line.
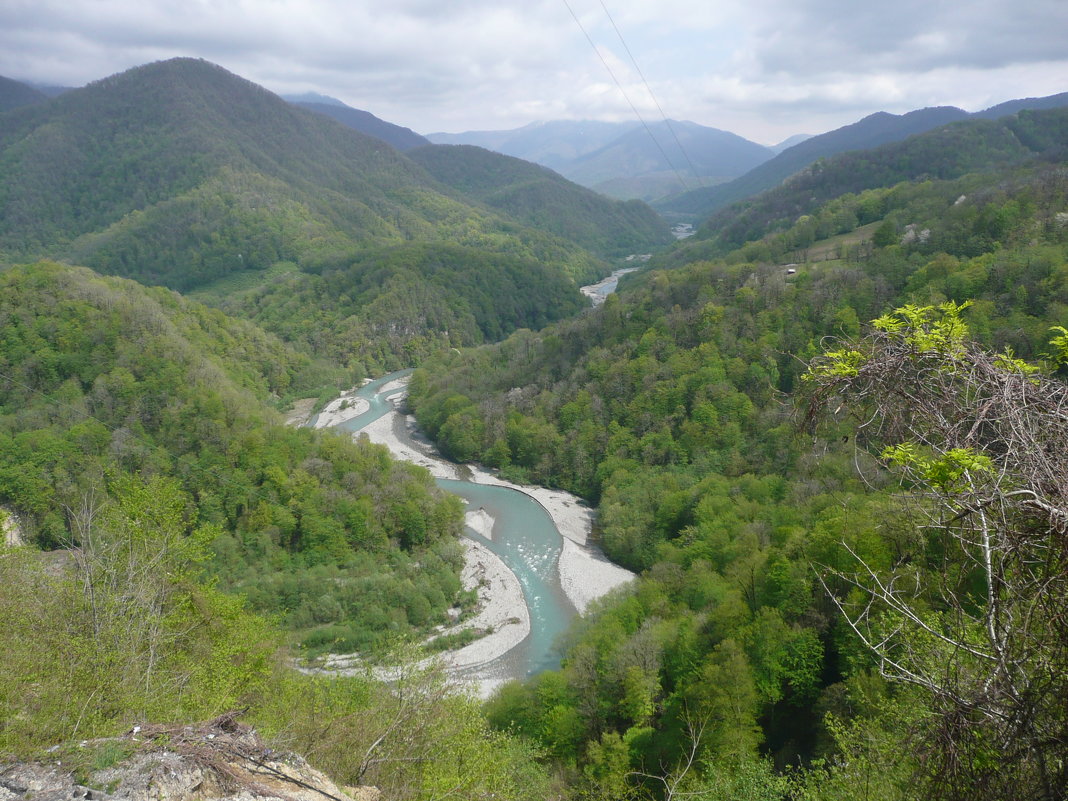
point(649, 89)
point(626, 97)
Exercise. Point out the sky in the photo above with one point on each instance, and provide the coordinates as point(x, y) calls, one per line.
point(763, 69)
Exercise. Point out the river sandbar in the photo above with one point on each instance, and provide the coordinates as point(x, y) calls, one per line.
point(585, 574)
point(502, 612)
point(340, 409)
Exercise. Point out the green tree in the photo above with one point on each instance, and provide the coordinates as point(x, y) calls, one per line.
point(972, 615)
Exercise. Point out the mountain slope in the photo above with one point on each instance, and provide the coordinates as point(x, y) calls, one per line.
point(949, 152)
point(552, 144)
point(871, 131)
point(367, 123)
point(107, 382)
point(648, 162)
point(1026, 104)
point(180, 172)
point(670, 405)
point(14, 94)
point(874, 130)
point(541, 198)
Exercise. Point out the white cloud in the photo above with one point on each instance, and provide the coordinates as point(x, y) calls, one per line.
point(763, 68)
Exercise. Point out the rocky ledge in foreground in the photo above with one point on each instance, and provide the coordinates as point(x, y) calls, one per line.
point(218, 761)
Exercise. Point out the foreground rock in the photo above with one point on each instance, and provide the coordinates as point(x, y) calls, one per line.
point(221, 760)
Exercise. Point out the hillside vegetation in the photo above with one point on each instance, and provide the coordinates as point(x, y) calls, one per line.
point(182, 174)
point(544, 200)
point(973, 147)
point(390, 307)
point(866, 134)
point(105, 382)
point(671, 407)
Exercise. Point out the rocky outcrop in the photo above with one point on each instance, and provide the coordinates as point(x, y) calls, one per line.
point(219, 761)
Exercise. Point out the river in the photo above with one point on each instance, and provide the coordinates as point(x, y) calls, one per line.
point(524, 535)
point(606, 286)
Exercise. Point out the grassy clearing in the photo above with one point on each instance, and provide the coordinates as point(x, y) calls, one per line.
point(835, 246)
point(236, 283)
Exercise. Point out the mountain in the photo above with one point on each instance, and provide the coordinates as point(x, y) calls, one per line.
point(14, 94)
point(871, 131)
point(552, 144)
point(678, 408)
point(367, 123)
point(949, 152)
point(624, 160)
point(541, 198)
point(182, 174)
point(1026, 104)
point(179, 172)
point(314, 97)
point(660, 159)
point(874, 130)
point(796, 139)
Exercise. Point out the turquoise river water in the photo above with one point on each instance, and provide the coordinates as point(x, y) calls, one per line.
point(524, 537)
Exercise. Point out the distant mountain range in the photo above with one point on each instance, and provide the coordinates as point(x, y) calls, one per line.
point(626, 160)
point(713, 168)
point(541, 198)
point(363, 121)
point(552, 144)
point(874, 130)
point(182, 174)
point(665, 158)
point(14, 94)
point(970, 147)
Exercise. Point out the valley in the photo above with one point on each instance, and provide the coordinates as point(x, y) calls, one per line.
point(544, 501)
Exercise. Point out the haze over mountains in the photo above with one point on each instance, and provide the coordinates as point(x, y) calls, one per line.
point(627, 160)
point(141, 426)
point(180, 173)
point(14, 94)
point(363, 121)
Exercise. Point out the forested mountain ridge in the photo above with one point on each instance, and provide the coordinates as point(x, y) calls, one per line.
point(541, 198)
point(365, 122)
point(14, 94)
point(970, 147)
point(670, 406)
point(870, 132)
point(180, 172)
point(105, 382)
point(390, 307)
point(661, 159)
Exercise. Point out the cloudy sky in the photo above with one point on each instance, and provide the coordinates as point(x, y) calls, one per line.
point(765, 69)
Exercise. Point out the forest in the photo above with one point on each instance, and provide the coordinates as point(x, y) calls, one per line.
point(679, 409)
point(828, 434)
